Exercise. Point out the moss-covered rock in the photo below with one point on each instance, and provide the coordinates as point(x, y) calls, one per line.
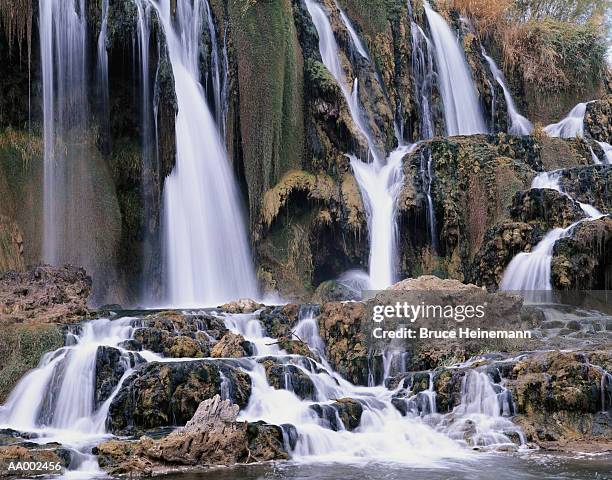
point(583, 260)
point(598, 119)
point(22, 348)
point(161, 394)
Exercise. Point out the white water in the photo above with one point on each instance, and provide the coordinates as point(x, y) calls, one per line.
point(462, 111)
point(208, 260)
point(571, 126)
point(424, 76)
point(63, 32)
point(380, 186)
point(353, 34)
point(383, 434)
point(56, 400)
point(519, 125)
point(530, 272)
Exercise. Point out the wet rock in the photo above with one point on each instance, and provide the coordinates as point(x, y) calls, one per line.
point(598, 119)
point(334, 291)
point(161, 394)
point(558, 396)
point(545, 206)
point(211, 437)
point(111, 364)
point(289, 377)
point(343, 414)
point(244, 305)
point(279, 321)
point(232, 345)
point(45, 294)
point(583, 261)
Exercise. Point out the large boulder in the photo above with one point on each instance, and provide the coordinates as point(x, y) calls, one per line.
point(213, 436)
point(45, 294)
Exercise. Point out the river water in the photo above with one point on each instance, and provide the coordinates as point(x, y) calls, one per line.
point(536, 465)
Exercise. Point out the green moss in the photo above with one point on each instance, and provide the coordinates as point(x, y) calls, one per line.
point(270, 79)
point(21, 348)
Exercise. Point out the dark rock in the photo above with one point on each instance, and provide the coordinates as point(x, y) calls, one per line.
point(111, 364)
point(160, 394)
point(289, 377)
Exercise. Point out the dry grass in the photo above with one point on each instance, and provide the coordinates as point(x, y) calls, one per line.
point(486, 15)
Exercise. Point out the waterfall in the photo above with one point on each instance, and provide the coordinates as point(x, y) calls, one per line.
point(330, 54)
point(63, 31)
point(530, 272)
point(352, 33)
point(379, 181)
point(424, 77)
point(462, 112)
point(208, 260)
point(519, 125)
point(572, 126)
point(103, 74)
point(56, 400)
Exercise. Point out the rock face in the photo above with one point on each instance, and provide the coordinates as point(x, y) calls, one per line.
point(558, 395)
point(110, 367)
point(161, 394)
point(211, 437)
point(45, 294)
point(583, 261)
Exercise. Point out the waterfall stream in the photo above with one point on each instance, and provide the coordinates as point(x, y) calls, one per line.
point(208, 260)
point(462, 111)
point(519, 125)
point(530, 272)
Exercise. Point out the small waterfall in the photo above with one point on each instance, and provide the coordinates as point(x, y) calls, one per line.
point(208, 260)
point(426, 170)
point(483, 412)
point(424, 77)
point(519, 125)
point(103, 75)
point(380, 187)
point(462, 112)
point(56, 400)
point(149, 149)
point(530, 272)
point(379, 181)
point(352, 33)
point(307, 329)
point(571, 126)
point(330, 54)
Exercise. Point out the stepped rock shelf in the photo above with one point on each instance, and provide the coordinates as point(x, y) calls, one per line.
point(154, 392)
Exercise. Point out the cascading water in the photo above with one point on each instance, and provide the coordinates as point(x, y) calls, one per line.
point(353, 34)
point(462, 111)
point(424, 77)
point(103, 74)
point(330, 54)
point(519, 125)
point(380, 187)
point(57, 399)
point(572, 126)
point(149, 145)
point(208, 260)
point(63, 31)
point(379, 181)
point(530, 272)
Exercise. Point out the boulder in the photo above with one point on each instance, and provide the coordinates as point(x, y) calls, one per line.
point(232, 345)
point(212, 436)
point(45, 294)
point(244, 305)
